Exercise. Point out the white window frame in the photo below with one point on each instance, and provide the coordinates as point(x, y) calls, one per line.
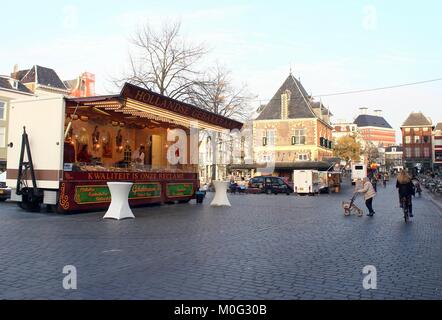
point(4, 109)
point(270, 137)
point(2, 137)
point(298, 136)
point(303, 157)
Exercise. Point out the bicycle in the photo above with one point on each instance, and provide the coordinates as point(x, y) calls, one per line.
point(404, 204)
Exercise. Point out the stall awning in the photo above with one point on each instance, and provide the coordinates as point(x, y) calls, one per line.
point(137, 104)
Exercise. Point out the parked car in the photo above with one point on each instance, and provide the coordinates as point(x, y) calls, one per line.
point(5, 192)
point(270, 185)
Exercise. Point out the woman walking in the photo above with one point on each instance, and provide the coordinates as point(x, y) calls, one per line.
point(406, 190)
point(369, 194)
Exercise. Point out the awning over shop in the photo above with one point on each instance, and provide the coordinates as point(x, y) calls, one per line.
point(136, 105)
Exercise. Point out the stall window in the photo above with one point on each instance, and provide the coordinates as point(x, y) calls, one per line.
point(417, 139)
point(2, 137)
point(407, 139)
point(2, 110)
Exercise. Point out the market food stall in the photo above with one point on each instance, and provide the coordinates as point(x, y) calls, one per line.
point(80, 144)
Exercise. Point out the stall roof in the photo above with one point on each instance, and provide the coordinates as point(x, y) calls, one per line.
point(142, 103)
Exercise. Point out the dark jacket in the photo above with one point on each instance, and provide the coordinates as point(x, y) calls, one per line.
point(405, 189)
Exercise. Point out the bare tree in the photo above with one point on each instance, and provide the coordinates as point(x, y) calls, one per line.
point(216, 93)
point(162, 61)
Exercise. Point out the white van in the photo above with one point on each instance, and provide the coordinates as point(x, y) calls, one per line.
point(358, 171)
point(306, 181)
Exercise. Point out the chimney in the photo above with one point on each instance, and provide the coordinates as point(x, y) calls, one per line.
point(363, 110)
point(378, 112)
point(14, 72)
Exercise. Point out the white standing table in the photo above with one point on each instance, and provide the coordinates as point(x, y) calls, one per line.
point(220, 198)
point(119, 207)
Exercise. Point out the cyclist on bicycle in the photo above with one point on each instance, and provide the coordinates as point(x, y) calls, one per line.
point(406, 190)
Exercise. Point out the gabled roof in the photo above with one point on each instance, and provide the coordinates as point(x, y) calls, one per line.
point(71, 84)
point(45, 77)
point(438, 127)
point(20, 74)
point(5, 83)
point(298, 107)
point(368, 120)
point(417, 119)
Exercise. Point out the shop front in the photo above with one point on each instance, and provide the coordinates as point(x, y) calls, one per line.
point(136, 136)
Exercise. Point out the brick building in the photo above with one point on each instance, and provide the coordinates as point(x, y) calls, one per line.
point(375, 129)
point(417, 141)
point(394, 158)
point(437, 147)
point(291, 129)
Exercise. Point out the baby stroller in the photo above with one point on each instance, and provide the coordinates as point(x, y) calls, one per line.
point(350, 207)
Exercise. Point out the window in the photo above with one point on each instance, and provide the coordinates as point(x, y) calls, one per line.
point(426, 152)
point(2, 110)
point(407, 139)
point(417, 139)
point(417, 152)
point(416, 130)
point(393, 149)
point(408, 152)
point(271, 137)
point(127, 154)
point(2, 137)
point(425, 129)
point(299, 137)
point(302, 157)
point(438, 142)
point(426, 139)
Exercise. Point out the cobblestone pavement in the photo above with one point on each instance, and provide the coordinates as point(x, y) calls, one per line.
point(263, 247)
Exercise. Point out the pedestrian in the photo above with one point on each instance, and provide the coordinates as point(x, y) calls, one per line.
point(406, 190)
point(374, 182)
point(369, 193)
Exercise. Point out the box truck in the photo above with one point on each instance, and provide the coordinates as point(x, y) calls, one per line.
point(306, 181)
point(358, 172)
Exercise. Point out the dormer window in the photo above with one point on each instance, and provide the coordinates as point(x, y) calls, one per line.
point(14, 84)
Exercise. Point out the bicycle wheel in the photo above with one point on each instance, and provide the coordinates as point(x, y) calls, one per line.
point(405, 209)
point(406, 213)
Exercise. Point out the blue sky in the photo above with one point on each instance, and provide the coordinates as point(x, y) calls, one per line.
point(332, 46)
